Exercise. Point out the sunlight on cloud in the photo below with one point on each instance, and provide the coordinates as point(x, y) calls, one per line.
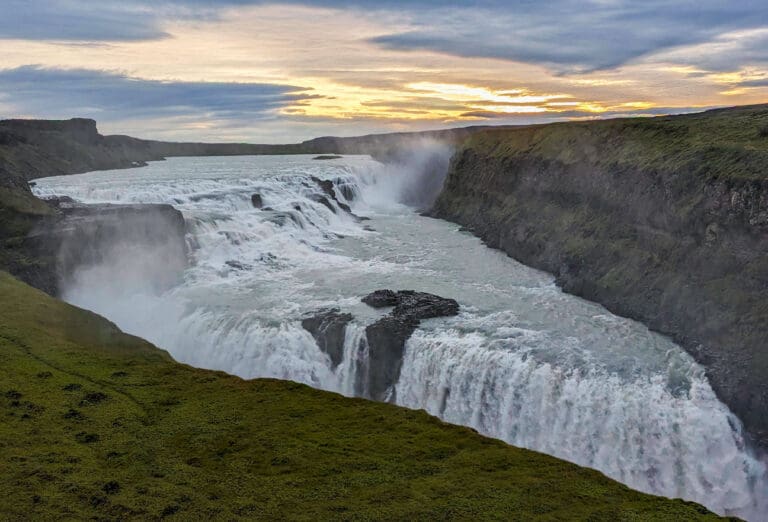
point(443, 101)
point(361, 85)
point(474, 94)
point(504, 109)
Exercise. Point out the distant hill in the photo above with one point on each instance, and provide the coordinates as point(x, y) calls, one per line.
point(38, 148)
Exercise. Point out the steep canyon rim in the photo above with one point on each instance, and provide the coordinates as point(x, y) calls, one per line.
point(523, 361)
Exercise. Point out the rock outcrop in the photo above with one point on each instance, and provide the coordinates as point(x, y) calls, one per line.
point(329, 327)
point(45, 243)
point(328, 187)
point(409, 303)
point(380, 355)
point(387, 337)
point(148, 238)
point(37, 148)
point(662, 220)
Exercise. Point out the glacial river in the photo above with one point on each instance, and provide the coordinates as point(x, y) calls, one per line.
point(522, 362)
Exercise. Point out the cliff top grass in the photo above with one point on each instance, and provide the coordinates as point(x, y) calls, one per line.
point(723, 143)
point(100, 424)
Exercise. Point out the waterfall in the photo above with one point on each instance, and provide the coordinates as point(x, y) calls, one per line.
point(637, 431)
point(523, 362)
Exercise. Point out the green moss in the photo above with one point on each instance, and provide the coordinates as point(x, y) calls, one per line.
point(19, 201)
point(100, 424)
point(724, 143)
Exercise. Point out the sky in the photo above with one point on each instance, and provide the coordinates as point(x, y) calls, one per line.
point(278, 72)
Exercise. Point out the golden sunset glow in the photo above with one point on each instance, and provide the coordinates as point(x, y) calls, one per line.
point(334, 76)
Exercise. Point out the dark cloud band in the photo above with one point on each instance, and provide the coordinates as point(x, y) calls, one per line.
point(565, 35)
point(108, 96)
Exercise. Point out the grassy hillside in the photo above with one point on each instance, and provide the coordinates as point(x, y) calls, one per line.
point(725, 143)
point(97, 423)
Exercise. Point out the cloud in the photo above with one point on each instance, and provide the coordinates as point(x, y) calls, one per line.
point(105, 20)
point(755, 83)
point(570, 36)
point(727, 52)
point(567, 36)
point(78, 20)
point(107, 96)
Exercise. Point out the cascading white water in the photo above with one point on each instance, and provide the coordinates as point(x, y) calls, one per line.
point(523, 361)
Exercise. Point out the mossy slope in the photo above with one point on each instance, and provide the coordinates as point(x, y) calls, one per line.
point(729, 144)
point(100, 424)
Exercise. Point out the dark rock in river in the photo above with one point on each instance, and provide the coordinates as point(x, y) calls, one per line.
point(386, 346)
point(256, 201)
point(387, 336)
point(346, 190)
point(61, 202)
point(237, 265)
point(323, 201)
point(381, 298)
point(327, 157)
point(329, 327)
point(326, 186)
point(281, 218)
point(419, 305)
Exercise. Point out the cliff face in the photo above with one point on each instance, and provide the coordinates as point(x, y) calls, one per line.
point(662, 220)
point(37, 148)
point(44, 243)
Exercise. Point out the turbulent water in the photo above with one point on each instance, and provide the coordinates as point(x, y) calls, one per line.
point(522, 362)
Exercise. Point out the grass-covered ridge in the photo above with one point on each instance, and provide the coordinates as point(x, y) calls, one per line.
point(97, 423)
point(724, 143)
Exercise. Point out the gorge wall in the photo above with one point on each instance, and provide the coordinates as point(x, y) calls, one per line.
point(662, 220)
point(44, 243)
